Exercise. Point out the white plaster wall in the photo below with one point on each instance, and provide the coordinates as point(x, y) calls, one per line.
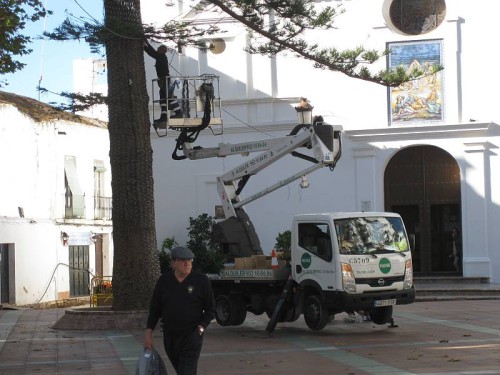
point(32, 268)
point(32, 175)
point(480, 57)
point(18, 153)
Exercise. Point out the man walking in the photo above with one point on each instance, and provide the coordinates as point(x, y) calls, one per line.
point(184, 300)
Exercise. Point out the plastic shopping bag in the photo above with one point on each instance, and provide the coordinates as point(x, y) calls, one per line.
point(150, 363)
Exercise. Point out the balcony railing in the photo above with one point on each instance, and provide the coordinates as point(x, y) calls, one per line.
point(74, 206)
point(102, 208)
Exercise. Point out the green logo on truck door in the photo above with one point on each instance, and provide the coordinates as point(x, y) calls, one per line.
point(305, 261)
point(384, 265)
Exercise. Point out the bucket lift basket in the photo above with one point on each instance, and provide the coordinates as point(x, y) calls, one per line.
point(199, 100)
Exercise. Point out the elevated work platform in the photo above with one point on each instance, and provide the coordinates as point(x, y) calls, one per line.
point(193, 102)
point(178, 123)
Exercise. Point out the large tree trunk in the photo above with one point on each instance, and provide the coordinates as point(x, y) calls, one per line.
point(136, 265)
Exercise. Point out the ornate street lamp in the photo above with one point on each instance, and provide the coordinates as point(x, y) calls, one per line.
point(304, 112)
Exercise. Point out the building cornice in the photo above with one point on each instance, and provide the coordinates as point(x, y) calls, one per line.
point(466, 130)
point(469, 130)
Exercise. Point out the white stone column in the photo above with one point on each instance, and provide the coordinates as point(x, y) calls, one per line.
point(476, 261)
point(365, 180)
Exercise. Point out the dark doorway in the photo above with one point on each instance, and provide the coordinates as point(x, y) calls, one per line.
point(422, 184)
point(4, 273)
point(79, 271)
point(98, 257)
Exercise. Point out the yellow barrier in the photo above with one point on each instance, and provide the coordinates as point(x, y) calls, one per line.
point(101, 291)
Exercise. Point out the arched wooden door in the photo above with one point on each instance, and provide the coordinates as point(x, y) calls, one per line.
point(422, 184)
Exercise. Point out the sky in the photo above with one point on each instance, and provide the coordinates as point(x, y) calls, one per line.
point(52, 61)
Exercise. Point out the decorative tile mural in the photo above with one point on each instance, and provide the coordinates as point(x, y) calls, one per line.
point(420, 101)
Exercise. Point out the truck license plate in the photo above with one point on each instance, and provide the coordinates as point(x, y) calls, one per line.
point(385, 302)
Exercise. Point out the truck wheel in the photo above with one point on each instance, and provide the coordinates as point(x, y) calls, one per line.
point(381, 315)
point(240, 310)
point(224, 310)
point(315, 314)
point(292, 314)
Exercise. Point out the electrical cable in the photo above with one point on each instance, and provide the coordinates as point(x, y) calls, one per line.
point(87, 13)
point(52, 276)
point(224, 110)
point(104, 26)
point(43, 49)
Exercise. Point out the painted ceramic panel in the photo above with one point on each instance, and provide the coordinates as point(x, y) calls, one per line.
point(419, 101)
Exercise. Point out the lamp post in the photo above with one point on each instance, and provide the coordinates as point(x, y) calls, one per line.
point(304, 112)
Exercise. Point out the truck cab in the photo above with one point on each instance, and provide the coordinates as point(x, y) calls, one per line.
point(346, 262)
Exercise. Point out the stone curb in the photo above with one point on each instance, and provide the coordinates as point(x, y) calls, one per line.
point(101, 318)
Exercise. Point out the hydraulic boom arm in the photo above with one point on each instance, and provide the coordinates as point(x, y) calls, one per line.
point(322, 142)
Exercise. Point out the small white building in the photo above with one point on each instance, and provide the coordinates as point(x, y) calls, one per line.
point(427, 149)
point(55, 202)
point(89, 76)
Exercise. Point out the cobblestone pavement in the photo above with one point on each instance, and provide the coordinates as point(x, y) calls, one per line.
point(438, 338)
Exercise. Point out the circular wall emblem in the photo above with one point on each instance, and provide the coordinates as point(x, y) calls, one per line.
point(414, 17)
point(384, 265)
point(305, 261)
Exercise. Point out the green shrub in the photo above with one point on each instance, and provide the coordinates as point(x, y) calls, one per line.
point(164, 254)
point(284, 243)
point(208, 257)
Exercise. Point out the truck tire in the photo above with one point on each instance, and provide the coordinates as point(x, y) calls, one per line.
point(292, 314)
point(315, 313)
point(240, 310)
point(230, 310)
point(381, 315)
point(224, 310)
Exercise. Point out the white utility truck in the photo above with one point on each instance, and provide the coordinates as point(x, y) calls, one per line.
point(340, 262)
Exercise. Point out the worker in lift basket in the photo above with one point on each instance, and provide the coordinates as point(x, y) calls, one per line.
point(163, 73)
point(184, 300)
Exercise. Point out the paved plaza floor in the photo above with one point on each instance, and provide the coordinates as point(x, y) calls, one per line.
point(445, 334)
point(438, 338)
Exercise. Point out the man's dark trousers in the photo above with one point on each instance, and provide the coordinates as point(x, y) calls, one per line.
point(183, 350)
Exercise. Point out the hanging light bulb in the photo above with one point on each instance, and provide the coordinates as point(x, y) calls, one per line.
point(304, 183)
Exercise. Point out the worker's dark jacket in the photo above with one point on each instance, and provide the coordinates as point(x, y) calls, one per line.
point(161, 64)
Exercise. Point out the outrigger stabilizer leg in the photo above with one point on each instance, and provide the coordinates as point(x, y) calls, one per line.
point(278, 311)
point(392, 325)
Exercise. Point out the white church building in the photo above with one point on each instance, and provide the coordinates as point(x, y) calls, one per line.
point(427, 149)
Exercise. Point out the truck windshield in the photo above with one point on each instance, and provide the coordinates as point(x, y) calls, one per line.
point(371, 235)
